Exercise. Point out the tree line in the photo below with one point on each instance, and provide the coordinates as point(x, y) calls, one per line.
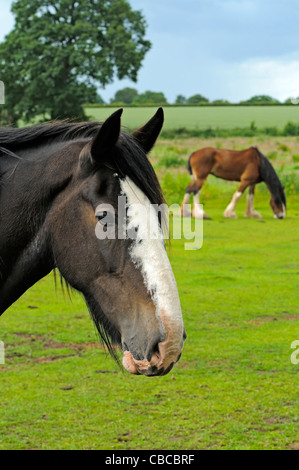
point(130, 97)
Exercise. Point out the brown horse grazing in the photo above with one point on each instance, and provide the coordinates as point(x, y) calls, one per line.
point(248, 166)
point(60, 187)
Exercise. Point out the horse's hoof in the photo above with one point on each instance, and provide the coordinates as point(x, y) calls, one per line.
point(200, 215)
point(231, 215)
point(254, 215)
point(185, 212)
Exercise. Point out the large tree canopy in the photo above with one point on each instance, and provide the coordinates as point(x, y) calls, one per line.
point(59, 51)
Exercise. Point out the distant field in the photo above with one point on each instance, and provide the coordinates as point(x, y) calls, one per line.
point(203, 117)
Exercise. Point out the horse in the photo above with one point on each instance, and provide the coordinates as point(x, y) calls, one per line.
point(249, 166)
point(60, 182)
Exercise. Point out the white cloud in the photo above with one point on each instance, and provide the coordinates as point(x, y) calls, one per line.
point(277, 78)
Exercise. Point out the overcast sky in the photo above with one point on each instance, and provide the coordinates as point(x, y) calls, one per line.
point(229, 49)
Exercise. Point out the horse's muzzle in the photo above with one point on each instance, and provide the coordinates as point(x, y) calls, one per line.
point(152, 368)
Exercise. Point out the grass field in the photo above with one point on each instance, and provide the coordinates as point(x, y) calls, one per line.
point(204, 116)
point(234, 387)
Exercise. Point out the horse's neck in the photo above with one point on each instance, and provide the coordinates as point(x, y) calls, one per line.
point(33, 263)
point(25, 252)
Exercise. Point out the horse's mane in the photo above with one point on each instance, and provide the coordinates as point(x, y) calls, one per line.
point(271, 178)
point(132, 162)
point(11, 138)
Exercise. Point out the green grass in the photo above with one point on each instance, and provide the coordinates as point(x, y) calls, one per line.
point(234, 387)
point(202, 117)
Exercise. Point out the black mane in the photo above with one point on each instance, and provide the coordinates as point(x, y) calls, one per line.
point(11, 138)
point(269, 175)
point(132, 161)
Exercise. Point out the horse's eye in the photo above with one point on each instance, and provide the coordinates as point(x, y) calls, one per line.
point(105, 218)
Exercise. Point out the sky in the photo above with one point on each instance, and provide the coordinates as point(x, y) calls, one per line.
point(222, 49)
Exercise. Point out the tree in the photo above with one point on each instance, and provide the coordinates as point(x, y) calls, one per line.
point(292, 100)
point(197, 99)
point(220, 102)
point(180, 99)
point(126, 96)
point(150, 97)
point(261, 99)
point(60, 51)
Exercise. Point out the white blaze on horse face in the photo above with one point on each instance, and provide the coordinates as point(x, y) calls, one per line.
point(149, 255)
point(283, 213)
point(280, 215)
point(284, 210)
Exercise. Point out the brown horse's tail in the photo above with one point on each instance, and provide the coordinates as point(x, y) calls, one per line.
point(189, 168)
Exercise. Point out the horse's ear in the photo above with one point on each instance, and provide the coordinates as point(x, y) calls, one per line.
point(106, 137)
point(147, 135)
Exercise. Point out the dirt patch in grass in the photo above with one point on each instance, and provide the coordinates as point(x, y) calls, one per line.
point(281, 316)
point(33, 345)
point(49, 343)
point(294, 446)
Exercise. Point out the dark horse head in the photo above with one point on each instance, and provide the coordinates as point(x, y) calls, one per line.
point(56, 203)
point(278, 200)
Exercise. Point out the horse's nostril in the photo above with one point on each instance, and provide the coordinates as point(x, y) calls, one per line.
point(153, 353)
point(153, 350)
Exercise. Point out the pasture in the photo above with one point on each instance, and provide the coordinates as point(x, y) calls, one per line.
point(234, 387)
point(203, 117)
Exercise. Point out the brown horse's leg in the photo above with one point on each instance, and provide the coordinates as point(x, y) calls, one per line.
point(185, 206)
point(195, 188)
point(250, 212)
point(229, 212)
point(198, 212)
